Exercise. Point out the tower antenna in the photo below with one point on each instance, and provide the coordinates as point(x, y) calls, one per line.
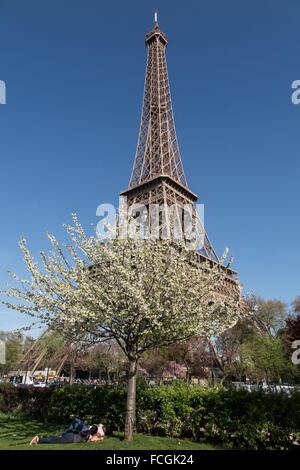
point(155, 17)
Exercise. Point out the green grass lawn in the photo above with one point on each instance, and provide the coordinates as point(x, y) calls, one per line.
point(16, 433)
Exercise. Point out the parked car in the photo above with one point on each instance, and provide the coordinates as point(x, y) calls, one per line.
point(40, 384)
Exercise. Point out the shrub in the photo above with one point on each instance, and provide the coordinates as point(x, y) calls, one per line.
point(30, 401)
point(238, 419)
point(105, 404)
point(252, 420)
point(70, 400)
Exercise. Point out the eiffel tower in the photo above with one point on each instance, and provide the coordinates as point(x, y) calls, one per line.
point(158, 176)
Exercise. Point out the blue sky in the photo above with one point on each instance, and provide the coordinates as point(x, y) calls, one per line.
point(74, 72)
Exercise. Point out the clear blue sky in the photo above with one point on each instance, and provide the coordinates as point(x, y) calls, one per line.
point(74, 72)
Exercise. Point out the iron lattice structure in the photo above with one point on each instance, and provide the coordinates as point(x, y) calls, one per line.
point(157, 150)
point(158, 176)
point(38, 354)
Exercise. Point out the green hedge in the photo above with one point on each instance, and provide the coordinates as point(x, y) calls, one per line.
point(238, 419)
point(105, 404)
point(30, 401)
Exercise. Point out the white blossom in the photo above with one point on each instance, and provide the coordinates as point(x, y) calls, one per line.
point(142, 293)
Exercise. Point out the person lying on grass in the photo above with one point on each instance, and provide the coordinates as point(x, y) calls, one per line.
point(94, 433)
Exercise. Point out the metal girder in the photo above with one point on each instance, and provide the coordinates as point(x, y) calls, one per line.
point(158, 176)
point(157, 149)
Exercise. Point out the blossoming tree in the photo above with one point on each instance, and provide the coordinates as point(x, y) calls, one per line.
point(141, 293)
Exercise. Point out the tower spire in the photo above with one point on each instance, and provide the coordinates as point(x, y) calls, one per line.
point(158, 177)
point(157, 150)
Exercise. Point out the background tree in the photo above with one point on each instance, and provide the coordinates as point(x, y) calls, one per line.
point(262, 357)
point(293, 323)
point(14, 345)
point(195, 354)
point(269, 316)
point(154, 362)
point(141, 293)
point(108, 358)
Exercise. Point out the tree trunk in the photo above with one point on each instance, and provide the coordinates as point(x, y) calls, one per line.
point(212, 376)
point(47, 375)
point(131, 398)
point(72, 371)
